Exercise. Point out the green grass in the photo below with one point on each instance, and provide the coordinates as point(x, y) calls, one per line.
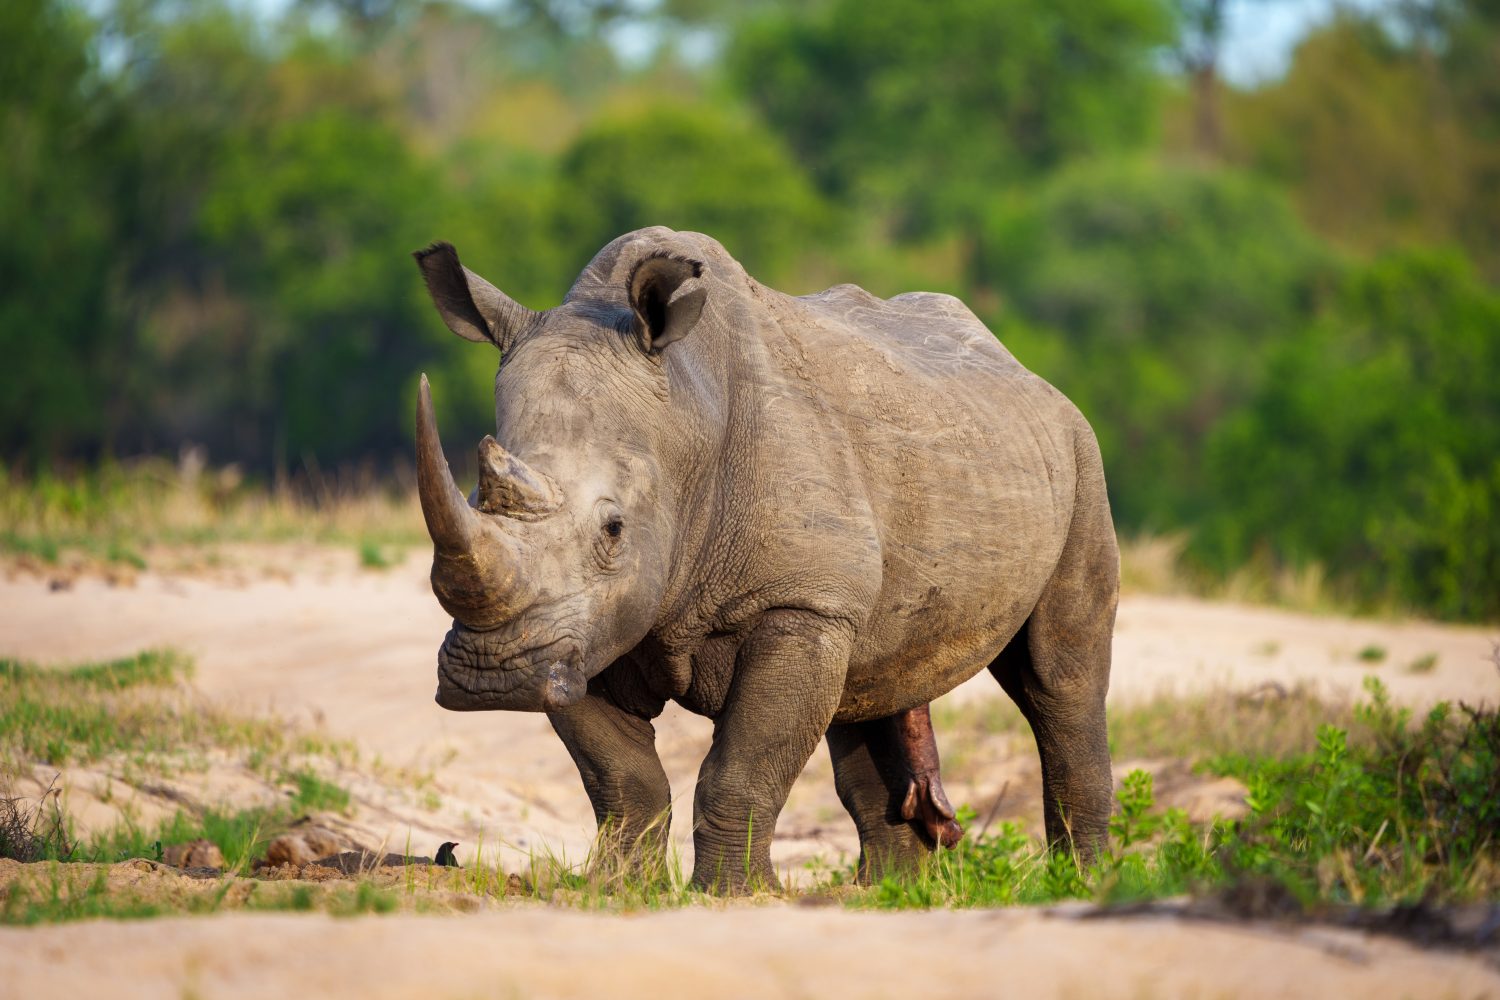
point(242, 836)
point(1372, 654)
point(135, 706)
point(67, 894)
point(137, 713)
point(1271, 721)
point(1348, 805)
point(373, 555)
point(115, 513)
point(315, 793)
point(1424, 664)
point(67, 897)
point(1410, 812)
point(157, 667)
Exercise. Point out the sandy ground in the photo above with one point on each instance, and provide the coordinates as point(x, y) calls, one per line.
point(318, 640)
point(770, 951)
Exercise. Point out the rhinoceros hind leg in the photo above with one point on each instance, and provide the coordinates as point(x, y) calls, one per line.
point(1057, 671)
point(925, 800)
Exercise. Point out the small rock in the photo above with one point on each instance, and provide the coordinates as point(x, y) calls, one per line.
point(201, 873)
point(815, 899)
point(279, 873)
point(303, 846)
point(1476, 923)
point(194, 854)
point(289, 849)
point(321, 842)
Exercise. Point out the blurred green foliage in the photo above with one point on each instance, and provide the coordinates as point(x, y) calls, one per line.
point(923, 111)
point(1283, 328)
point(61, 130)
point(1373, 444)
point(1183, 278)
point(723, 175)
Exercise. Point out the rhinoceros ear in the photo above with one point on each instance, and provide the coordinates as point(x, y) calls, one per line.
point(666, 299)
point(472, 307)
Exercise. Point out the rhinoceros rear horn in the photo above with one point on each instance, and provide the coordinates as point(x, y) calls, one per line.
point(510, 487)
point(450, 519)
point(472, 307)
point(666, 299)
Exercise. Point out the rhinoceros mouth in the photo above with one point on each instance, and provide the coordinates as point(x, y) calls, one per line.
point(474, 674)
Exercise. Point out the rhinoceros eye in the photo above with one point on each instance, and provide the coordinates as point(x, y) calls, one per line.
point(609, 540)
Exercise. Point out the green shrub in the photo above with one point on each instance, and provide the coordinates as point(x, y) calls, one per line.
point(1405, 813)
point(1151, 296)
point(672, 165)
point(1373, 445)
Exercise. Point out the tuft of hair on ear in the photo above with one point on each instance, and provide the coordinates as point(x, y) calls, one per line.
point(436, 246)
point(657, 262)
point(448, 283)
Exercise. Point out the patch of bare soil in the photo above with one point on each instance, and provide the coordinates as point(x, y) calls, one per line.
point(308, 636)
point(138, 885)
point(734, 951)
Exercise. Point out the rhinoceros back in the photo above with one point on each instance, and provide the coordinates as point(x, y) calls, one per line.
point(968, 463)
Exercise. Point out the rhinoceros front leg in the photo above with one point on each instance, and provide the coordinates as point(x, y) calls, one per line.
point(789, 677)
point(615, 751)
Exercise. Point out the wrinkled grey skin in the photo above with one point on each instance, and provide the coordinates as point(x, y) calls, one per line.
point(796, 516)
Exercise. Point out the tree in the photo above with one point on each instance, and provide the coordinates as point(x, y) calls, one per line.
point(1150, 295)
point(60, 207)
point(1373, 445)
point(1386, 139)
point(312, 223)
point(924, 110)
point(689, 167)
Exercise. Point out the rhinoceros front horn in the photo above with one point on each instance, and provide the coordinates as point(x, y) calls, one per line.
point(450, 519)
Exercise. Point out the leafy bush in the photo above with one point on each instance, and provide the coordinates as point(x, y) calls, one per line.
point(1405, 814)
point(673, 165)
point(1373, 445)
point(1152, 296)
point(1413, 815)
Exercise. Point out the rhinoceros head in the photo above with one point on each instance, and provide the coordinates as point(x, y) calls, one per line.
point(557, 563)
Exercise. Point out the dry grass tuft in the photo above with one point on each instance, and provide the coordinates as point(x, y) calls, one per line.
point(116, 514)
point(30, 831)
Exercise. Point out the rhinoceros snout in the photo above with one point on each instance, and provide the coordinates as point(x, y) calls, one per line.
point(477, 671)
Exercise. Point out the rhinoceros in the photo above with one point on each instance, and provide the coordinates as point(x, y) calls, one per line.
point(801, 517)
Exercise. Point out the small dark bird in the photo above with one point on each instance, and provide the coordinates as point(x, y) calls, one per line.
point(445, 856)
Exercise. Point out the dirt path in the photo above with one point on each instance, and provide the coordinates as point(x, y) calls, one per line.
point(307, 635)
point(770, 951)
point(353, 650)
